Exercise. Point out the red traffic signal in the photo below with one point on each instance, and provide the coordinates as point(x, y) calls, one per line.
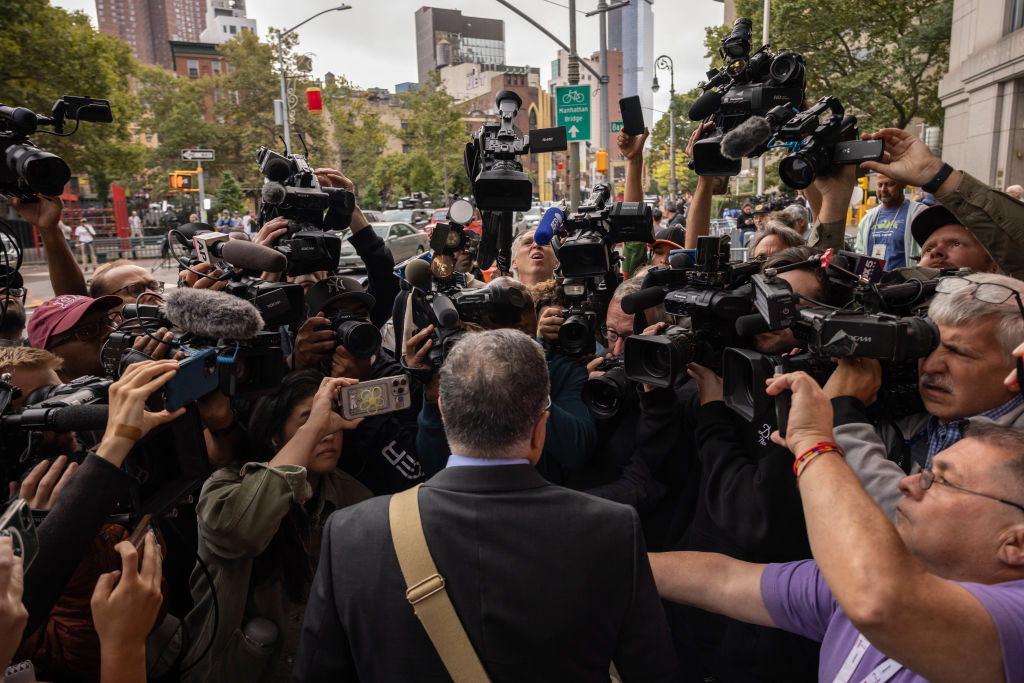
point(559, 165)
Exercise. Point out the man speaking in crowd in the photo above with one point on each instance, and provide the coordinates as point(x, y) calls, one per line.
point(547, 583)
point(938, 597)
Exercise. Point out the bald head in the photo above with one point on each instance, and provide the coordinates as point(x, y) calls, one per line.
point(1015, 191)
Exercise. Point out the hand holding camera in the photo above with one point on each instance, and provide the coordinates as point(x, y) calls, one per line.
point(314, 343)
point(810, 412)
point(43, 484)
point(857, 377)
point(13, 615)
point(550, 323)
point(128, 420)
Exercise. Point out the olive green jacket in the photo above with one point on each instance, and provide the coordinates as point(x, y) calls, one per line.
point(239, 511)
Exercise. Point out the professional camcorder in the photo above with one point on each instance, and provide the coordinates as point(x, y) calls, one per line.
point(756, 107)
point(292, 191)
point(880, 326)
point(28, 171)
point(493, 157)
point(576, 334)
point(706, 299)
point(585, 241)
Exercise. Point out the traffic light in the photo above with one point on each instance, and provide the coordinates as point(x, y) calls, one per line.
point(184, 181)
point(601, 160)
point(559, 165)
point(314, 100)
point(862, 183)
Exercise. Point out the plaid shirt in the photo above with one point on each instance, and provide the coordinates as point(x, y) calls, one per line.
point(943, 435)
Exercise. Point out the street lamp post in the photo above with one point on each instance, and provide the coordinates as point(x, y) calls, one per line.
point(280, 63)
point(665, 62)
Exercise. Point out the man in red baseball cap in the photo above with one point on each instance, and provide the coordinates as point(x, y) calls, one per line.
point(75, 328)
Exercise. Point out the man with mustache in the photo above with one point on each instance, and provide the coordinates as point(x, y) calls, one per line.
point(980, 319)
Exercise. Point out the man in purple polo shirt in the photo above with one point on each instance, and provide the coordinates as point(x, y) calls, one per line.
point(938, 597)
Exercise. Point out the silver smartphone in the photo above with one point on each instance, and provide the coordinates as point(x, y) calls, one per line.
point(375, 397)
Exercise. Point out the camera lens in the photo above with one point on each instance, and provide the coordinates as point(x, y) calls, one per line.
point(796, 171)
point(359, 338)
point(786, 68)
point(603, 395)
point(43, 172)
point(575, 336)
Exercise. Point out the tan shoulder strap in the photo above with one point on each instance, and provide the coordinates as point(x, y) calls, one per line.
point(426, 591)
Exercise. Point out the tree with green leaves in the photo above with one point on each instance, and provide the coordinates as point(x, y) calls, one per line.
point(229, 194)
point(47, 52)
point(436, 131)
point(359, 132)
point(882, 59)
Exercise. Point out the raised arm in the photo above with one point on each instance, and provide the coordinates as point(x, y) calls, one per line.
point(632, 147)
point(698, 223)
point(65, 275)
point(931, 625)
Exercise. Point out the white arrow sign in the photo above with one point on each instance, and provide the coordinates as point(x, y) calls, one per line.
point(573, 132)
point(197, 155)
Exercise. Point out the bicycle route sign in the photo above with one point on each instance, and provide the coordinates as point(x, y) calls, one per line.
point(572, 108)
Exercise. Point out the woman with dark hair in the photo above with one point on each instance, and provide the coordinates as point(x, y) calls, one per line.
point(260, 521)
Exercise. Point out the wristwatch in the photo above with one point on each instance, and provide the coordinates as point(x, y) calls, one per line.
point(933, 185)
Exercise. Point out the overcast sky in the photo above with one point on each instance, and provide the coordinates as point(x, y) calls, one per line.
point(374, 43)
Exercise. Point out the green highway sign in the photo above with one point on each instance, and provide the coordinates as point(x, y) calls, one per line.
point(572, 106)
point(616, 126)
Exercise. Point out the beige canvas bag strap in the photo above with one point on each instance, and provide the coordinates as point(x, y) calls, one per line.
point(426, 591)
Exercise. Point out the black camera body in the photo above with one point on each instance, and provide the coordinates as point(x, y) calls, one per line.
point(706, 300)
point(606, 394)
point(27, 171)
point(592, 232)
point(493, 157)
point(353, 331)
point(576, 335)
point(748, 85)
point(279, 303)
point(292, 191)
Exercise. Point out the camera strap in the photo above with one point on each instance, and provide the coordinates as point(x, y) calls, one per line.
point(426, 590)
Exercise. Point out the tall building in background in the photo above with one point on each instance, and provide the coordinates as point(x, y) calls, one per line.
point(445, 36)
point(148, 25)
point(225, 19)
point(631, 30)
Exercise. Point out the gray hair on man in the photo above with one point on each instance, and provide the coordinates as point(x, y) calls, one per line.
point(797, 215)
point(493, 388)
point(789, 236)
point(634, 285)
point(963, 308)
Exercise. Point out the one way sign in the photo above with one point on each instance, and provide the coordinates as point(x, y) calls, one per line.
point(197, 155)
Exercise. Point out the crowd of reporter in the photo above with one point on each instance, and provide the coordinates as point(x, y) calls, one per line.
point(899, 542)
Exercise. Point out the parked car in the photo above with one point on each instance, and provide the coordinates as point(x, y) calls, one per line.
point(373, 216)
point(417, 218)
point(400, 238)
point(477, 225)
point(528, 220)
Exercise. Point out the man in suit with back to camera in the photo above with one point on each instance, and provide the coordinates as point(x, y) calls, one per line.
point(548, 583)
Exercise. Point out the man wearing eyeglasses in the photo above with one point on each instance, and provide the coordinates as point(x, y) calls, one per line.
point(125, 279)
point(12, 310)
point(74, 328)
point(981, 320)
point(938, 597)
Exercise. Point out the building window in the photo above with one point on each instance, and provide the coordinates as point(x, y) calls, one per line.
point(234, 29)
point(216, 67)
point(193, 68)
point(1016, 14)
point(225, 28)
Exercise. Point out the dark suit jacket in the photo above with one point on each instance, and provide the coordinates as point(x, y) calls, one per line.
point(550, 585)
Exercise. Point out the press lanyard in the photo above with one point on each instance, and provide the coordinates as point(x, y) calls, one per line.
point(880, 674)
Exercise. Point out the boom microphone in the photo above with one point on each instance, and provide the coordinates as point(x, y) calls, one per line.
point(644, 299)
point(250, 256)
point(417, 272)
point(705, 105)
point(73, 418)
point(549, 224)
point(745, 138)
point(216, 315)
point(273, 193)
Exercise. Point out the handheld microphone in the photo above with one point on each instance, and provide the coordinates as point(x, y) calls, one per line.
point(550, 223)
point(645, 298)
point(417, 272)
point(705, 105)
point(213, 246)
point(749, 325)
point(216, 315)
point(273, 193)
point(72, 418)
point(745, 138)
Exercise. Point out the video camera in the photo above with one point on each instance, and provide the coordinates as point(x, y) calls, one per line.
point(292, 191)
point(706, 298)
point(882, 328)
point(748, 85)
point(493, 157)
point(28, 171)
